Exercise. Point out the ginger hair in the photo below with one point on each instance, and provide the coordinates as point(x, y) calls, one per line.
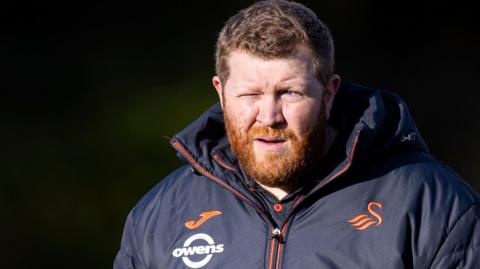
point(274, 29)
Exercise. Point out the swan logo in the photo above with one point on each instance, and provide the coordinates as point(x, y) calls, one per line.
point(192, 248)
point(363, 221)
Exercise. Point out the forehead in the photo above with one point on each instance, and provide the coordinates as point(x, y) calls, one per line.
point(244, 66)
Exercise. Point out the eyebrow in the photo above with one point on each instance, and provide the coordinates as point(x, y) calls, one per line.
point(243, 85)
point(288, 82)
point(294, 81)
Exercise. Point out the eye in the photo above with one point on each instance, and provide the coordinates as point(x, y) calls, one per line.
point(248, 95)
point(292, 96)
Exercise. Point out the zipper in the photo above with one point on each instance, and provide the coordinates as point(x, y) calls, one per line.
point(276, 243)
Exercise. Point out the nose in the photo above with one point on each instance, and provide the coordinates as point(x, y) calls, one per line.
point(270, 112)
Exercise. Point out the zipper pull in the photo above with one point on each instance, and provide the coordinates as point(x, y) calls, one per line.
point(276, 233)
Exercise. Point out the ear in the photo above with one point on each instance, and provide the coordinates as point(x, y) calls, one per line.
point(218, 86)
point(330, 92)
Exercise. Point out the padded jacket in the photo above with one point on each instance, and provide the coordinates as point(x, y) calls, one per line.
point(382, 202)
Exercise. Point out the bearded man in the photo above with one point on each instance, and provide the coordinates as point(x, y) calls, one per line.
point(294, 169)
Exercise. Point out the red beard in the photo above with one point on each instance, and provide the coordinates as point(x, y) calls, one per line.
point(275, 169)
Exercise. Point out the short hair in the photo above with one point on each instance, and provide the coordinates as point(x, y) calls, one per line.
point(274, 29)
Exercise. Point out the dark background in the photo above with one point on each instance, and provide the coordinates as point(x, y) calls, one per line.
point(89, 94)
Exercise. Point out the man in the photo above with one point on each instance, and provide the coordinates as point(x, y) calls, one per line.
point(294, 170)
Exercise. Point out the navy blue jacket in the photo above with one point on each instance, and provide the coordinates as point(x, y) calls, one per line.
point(382, 202)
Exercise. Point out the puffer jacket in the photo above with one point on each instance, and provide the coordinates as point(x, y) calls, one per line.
point(383, 203)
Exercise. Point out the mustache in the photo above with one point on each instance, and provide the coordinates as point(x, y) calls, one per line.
point(272, 133)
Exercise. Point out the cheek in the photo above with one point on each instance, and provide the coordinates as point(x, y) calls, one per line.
point(302, 117)
point(241, 114)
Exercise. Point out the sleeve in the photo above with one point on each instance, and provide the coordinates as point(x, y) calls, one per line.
point(461, 247)
point(128, 256)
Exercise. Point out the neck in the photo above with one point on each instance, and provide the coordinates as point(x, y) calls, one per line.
point(281, 192)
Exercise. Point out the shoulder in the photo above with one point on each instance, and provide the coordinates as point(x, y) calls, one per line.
point(427, 186)
point(155, 210)
point(419, 171)
point(435, 177)
point(180, 193)
point(423, 196)
point(165, 194)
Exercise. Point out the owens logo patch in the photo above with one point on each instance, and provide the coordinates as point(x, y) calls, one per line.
point(200, 247)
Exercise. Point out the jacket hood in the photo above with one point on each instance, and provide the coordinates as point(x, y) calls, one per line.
point(368, 122)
